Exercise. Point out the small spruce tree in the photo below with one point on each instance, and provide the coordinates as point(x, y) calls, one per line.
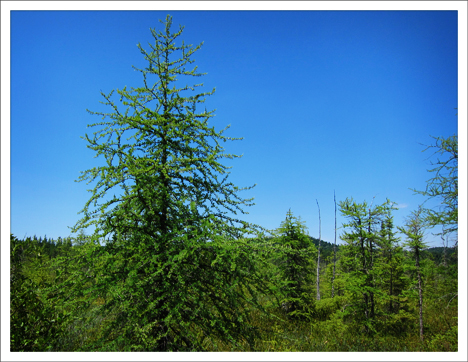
point(296, 256)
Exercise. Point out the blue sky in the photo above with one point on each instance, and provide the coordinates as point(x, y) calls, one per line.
point(324, 100)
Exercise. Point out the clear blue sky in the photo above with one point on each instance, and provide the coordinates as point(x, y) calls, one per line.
point(324, 100)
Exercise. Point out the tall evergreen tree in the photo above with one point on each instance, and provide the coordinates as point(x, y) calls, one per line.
point(361, 235)
point(388, 260)
point(391, 281)
point(295, 259)
point(414, 231)
point(174, 272)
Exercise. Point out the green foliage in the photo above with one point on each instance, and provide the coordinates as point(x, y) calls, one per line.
point(445, 342)
point(437, 254)
point(163, 159)
point(212, 290)
point(295, 256)
point(414, 230)
point(330, 324)
point(174, 273)
point(393, 312)
point(359, 255)
point(328, 308)
point(326, 248)
point(444, 184)
point(34, 324)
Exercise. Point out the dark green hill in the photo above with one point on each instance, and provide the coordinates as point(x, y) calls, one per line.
point(437, 254)
point(326, 248)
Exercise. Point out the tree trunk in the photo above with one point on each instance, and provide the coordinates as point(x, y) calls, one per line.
point(421, 334)
point(334, 253)
point(444, 241)
point(364, 271)
point(164, 146)
point(371, 265)
point(391, 290)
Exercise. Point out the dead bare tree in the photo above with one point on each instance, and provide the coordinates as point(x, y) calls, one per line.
point(334, 252)
point(318, 254)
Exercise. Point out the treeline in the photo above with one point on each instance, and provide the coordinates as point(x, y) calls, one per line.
point(57, 302)
point(438, 254)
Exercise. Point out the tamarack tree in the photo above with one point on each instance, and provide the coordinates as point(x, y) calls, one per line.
point(443, 186)
point(414, 231)
point(362, 239)
point(389, 265)
point(174, 273)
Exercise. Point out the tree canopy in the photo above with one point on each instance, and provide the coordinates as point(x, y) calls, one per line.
point(174, 263)
point(443, 186)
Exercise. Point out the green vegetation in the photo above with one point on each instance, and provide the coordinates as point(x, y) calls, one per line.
point(51, 312)
point(444, 184)
point(171, 267)
point(294, 258)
